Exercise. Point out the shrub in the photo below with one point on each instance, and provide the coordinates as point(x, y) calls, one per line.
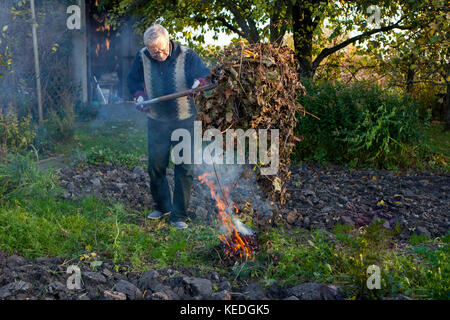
point(360, 124)
point(60, 127)
point(57, 127)
point(15, 134)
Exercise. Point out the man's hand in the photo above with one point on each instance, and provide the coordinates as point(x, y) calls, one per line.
point(139, 98)
point(140, 107)
point(200, 82)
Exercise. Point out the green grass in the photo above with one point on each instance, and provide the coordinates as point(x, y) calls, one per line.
point(46, 225)
point(35, 221)
point(49, 227)
point(115, 142)
point(125, 137)
point(119, 143)
point(438, 140)
point(434, 153)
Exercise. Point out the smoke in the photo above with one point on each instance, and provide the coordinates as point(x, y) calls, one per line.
point(60, 71)
point(60, 52)
point(240, 181)
point(241, 228)
point(124, 45)
point(122, 113)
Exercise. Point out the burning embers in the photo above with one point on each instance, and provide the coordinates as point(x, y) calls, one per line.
point(239, 247)
point(239, 242)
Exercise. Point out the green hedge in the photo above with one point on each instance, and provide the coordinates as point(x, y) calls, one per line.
point(360, 125)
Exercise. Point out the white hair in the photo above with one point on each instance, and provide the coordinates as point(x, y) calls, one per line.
point(155, 32)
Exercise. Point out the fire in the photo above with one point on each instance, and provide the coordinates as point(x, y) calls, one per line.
point(103, 28)
point(234, 243)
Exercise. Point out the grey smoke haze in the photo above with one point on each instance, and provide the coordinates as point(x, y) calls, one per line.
point(53, 42)
point(120, 112)
point(228, 175)
point(59, 53)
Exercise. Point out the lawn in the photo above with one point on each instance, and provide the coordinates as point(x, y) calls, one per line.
point(438, 140)
point(35, 221)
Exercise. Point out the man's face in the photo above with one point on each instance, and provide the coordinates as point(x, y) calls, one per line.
point(159, 49)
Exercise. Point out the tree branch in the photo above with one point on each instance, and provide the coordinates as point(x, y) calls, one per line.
point(225, 23)
point(285, 24)
point(230, 26)
point(239, 18)
point(328, 51)
point(248, 26)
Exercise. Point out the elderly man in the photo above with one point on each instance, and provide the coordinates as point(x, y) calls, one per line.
point(163, 67)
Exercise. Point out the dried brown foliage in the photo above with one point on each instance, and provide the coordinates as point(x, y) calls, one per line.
point(257, 88)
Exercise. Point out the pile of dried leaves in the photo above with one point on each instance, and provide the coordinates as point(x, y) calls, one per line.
point(257, 88)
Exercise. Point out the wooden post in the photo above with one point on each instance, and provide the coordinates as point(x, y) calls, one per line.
point(36, 62)
point(84, 79)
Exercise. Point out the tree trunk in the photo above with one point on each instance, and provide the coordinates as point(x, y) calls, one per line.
point(279, 21)
point(247, 24)
point(303, 28)
point(410, 80)
point(447, 108)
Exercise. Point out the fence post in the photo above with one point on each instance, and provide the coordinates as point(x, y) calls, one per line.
point(84, 79)
point(36, 62)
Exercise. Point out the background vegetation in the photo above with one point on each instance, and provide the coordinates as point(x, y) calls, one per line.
point(362, 124)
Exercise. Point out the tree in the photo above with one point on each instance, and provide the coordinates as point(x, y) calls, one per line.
point(247, 18)
point(420, 55)
point(255, 20)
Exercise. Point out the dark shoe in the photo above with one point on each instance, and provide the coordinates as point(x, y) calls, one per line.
point(157, 214)
point(179, 225)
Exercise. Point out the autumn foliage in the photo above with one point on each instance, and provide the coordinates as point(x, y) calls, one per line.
point(258, 87)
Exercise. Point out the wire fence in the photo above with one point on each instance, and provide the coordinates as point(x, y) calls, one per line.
point(55, 42)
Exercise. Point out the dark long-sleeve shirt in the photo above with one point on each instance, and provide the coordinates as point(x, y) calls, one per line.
point(159, 78)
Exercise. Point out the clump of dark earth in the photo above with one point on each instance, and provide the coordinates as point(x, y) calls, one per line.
point(416, 201)
point(132, 188)
point(47, 279)
point(108, 182)
point(318, 197)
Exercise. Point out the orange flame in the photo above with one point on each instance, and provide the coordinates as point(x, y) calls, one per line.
point(105, 27)
point(235, 244)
